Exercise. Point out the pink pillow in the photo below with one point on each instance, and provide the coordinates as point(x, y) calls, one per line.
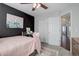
point(36, 35)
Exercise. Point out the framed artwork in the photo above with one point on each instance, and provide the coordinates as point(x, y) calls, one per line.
point(13, 21)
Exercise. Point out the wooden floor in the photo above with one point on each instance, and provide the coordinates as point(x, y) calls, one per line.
point(51, 50)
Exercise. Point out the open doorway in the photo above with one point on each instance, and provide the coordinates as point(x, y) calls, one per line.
point(65, 31)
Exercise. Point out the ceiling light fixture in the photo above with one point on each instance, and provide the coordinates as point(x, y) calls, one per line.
point(36, 5)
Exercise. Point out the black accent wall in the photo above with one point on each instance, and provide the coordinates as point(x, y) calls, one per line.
point(4, 31)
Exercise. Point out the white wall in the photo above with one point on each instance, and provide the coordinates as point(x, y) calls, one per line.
point(36, 25)
point(75, 22)
point(43, 30)
point(49, 29)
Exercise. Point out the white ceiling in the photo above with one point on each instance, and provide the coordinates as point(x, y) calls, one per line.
point(53, 8)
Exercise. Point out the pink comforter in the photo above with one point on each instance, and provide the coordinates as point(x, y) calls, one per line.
point(19, 46)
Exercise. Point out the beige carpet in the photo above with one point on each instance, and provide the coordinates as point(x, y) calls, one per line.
point(51, 50)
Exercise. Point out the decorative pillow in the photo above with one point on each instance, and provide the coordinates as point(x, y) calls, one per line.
point(36, 35)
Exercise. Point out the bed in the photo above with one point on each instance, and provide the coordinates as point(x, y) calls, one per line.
point(19, 46)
